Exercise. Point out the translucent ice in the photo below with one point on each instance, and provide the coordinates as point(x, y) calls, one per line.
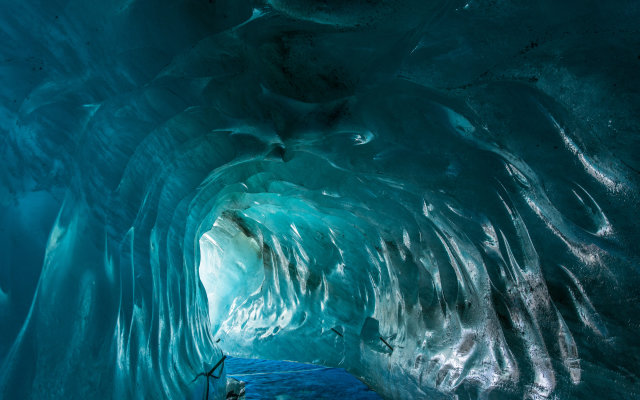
point(440, 197)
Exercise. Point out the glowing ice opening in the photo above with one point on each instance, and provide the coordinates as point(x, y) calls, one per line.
point(230, 269)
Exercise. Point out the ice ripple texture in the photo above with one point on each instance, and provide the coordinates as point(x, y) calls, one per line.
point(439, 196)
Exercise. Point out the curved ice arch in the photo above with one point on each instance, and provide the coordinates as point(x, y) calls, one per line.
point(494, 177)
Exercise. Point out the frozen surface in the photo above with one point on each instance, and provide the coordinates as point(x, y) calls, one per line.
point(440, 197)
point(282, 380)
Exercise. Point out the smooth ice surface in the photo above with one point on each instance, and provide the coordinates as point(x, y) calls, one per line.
point(439, 196)
point(282, 380)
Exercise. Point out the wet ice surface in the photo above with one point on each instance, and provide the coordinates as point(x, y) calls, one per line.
point(283, 380)
point(306, 180)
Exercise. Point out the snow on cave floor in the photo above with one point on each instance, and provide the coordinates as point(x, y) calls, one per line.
point(285, 380)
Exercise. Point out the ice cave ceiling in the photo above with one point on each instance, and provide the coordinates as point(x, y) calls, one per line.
point(439, 196)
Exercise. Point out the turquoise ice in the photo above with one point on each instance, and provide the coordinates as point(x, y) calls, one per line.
point(438, 197)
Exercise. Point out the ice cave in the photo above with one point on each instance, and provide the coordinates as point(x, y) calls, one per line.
point(293, 199)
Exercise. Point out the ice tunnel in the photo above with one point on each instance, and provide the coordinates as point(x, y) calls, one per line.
point(440, 197)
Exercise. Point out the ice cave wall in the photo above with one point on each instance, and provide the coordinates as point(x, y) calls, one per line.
point(299, 179)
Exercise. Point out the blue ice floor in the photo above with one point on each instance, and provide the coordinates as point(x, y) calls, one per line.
point(284, 380)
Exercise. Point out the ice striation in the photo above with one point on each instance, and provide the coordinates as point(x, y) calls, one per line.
point(440, 197)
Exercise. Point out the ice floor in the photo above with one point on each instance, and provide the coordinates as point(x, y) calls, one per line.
point(283, 380)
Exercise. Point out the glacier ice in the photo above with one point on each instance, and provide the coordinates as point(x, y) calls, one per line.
point(440, 197)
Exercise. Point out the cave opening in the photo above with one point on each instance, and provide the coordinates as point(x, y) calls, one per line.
point(276, 287)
